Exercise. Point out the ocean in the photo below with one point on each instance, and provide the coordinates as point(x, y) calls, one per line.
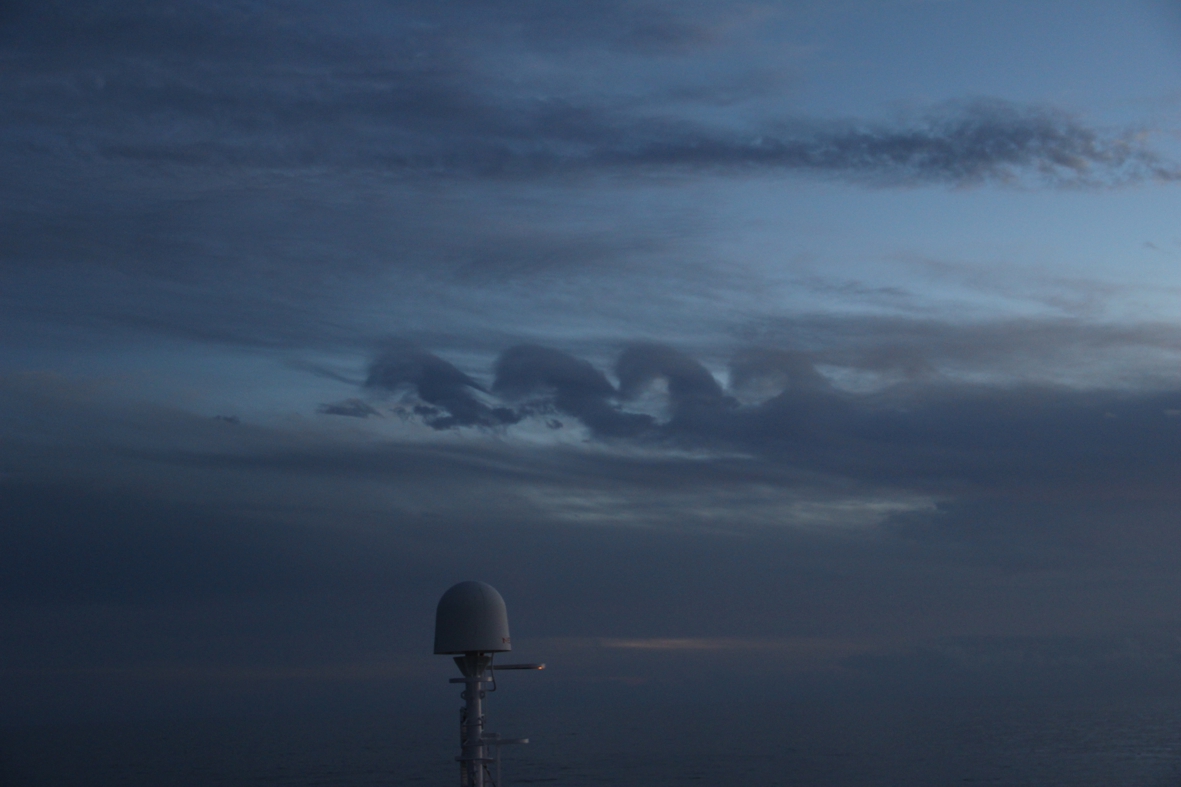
point(921, 743)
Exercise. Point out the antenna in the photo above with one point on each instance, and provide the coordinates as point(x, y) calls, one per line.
point(471, 621)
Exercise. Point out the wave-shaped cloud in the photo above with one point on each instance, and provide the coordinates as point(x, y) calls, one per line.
point(940, 435)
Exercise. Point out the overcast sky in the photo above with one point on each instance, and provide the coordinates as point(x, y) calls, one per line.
point(843, 336)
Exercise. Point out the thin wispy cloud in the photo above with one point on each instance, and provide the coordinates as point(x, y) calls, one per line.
point(411, 104)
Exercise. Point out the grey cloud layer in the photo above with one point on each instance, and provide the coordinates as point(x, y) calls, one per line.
point(253, 174)
point(277, 175)
point(188, 510)
point(226, 86)
point(137, 536)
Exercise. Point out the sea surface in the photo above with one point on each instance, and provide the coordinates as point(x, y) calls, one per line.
point(925, 743)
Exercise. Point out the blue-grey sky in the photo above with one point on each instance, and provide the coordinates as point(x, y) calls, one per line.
point(842, 333)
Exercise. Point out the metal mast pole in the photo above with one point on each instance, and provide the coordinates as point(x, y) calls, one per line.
point(471, 624)
point(474, 753)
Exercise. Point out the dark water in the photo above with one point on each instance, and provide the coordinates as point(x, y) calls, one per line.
point(931, 743)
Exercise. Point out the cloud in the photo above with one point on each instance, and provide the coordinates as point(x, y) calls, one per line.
point(1077, 352)
point(959, 142)
point(293, 177)
point(688, 381)
point(576, 388)
point(136, 534)
point(223, 87)
point(941, 437)
point(768, 371)
point(354, 408)
point(692, 390)
point(444, 388)
point(303, 178)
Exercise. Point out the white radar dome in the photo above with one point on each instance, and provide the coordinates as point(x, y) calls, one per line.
point(471, 616)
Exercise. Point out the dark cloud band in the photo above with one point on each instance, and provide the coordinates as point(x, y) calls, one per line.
point(224, 86)
point(939, 436)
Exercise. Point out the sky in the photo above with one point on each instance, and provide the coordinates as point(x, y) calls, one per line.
point(835, 343)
